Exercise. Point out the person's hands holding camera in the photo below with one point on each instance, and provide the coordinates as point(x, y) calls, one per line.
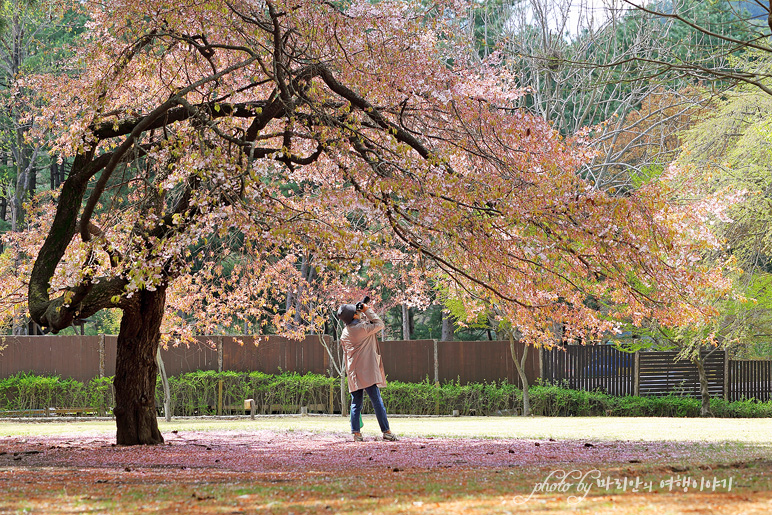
point(363, 304)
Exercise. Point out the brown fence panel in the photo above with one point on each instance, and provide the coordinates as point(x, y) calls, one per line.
point(590, 368)
point(274, 354)
point(76, 357)
point(409, 361)
point(111, 352)
point(181, 359)
point(750, 379)
point(477, 362)
point(661, 374)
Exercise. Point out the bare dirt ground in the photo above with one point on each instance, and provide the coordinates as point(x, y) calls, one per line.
point(265, 471)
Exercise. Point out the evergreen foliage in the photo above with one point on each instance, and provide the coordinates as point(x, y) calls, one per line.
point(196, 393)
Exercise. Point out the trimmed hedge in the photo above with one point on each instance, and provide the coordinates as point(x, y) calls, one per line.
point(28, 392)
point(197, 393)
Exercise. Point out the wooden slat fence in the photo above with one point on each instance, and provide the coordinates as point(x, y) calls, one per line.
point(660, 373)
point(750, 379)
point(598, 367)
point(592, 368)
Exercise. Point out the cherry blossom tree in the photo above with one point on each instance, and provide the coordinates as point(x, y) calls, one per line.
point(211, 149)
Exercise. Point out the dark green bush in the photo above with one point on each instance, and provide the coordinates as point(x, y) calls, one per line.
point(25, 391)
point(197, 393)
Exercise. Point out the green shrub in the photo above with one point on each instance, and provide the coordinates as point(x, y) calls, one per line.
point(25, 391)
point(197, 393)
point(99, 394)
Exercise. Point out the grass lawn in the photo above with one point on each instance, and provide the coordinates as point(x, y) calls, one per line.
point(750, 430)
point(293, 464)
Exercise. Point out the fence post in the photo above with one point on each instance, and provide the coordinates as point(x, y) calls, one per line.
point(727, 384)
point(436, 378)
point(219, 381)
point(101, 355)
point(436, 363)
point(637, 374)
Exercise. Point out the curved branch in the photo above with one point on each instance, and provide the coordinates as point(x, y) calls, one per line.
point(699, 28)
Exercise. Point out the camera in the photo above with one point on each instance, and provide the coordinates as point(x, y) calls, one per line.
point(361, 304)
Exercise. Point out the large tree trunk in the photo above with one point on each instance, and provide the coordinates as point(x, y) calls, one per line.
point(136, 370)
point(704, 393)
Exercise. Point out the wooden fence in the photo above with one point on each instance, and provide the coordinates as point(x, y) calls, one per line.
point(657, 373)
point(750, 379)
point(601, 368)
point(86, 357)
point(660, 373)
point(590, 368)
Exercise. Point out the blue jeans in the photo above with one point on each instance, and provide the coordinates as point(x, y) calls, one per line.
point(356, 407)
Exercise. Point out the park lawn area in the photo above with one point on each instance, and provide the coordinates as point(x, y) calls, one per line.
point(293, 464)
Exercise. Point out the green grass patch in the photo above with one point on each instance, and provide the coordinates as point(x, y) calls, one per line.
point(742, 432)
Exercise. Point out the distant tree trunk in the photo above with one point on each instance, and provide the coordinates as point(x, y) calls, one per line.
point(165, 381)
point(32, 181)
point(307, 274)
point(407, 322)
point(3, 214)
point(520, 366)
point(447, 327)
point(704, 392)
point(57, 171)
point(136, 370)
point(344, 395)
point(25, 182)
point(17, 202)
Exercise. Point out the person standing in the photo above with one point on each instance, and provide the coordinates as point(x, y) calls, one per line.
point(363, 364)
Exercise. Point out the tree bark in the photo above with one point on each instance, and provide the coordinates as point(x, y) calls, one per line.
point(447, 327)
point(407, 332)
point(520, 366)
point(344, 396)
point(136, 370)
point(704, 392)
point(165, 381)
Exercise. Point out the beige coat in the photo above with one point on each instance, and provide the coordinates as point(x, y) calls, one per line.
point(363, 357)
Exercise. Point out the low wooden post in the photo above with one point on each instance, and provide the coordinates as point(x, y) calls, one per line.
point(249, 404)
